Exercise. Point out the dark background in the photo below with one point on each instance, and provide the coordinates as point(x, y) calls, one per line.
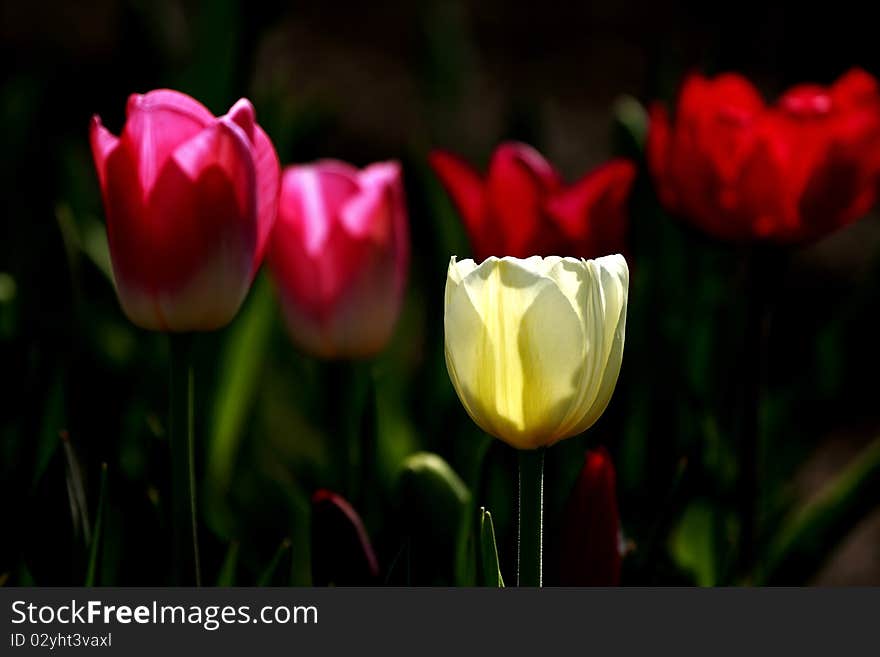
point(370, 81)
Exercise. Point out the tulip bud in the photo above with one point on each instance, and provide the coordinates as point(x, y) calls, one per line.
point(190, 202)
point(339, 255)
point(522, 207)
point(590, 552)
point(341, 550)
point(534, 346)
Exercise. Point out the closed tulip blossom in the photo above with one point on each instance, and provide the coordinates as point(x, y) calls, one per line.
point(190, 200)
point(789, 172)
point(534, 346)
point(590, 533)
point(522, 207)
point(339, 256)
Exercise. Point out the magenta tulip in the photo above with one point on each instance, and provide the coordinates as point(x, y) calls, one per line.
point(190, 201)
point(339, 254)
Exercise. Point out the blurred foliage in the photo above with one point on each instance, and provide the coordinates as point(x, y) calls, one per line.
point(274, 425)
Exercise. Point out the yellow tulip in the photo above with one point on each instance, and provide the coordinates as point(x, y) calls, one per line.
point(533, 346)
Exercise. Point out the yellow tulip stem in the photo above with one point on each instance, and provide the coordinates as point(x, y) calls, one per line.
point(531, 518)
point(187, 568)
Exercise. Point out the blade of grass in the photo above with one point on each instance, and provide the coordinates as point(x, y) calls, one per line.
point(76, 491)
point(53, 422)
point(226, 577)
point(490, 568)
point(269, 573)
point(96, 536)
point(465, 555)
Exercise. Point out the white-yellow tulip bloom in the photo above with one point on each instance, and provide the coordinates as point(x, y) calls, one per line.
point(533, 346)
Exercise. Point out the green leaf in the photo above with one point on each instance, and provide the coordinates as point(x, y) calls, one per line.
point(237, 383)
point(53, 423)
point(432, 501)
point(226, 576)
point(693, 543)
point(490, 568)
point(25, 577)
point(631, 124)
point(95, 545)
point(811, 532)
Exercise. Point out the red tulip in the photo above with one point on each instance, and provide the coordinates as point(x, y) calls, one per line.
point(339, 255)
point(590, 552)
point(743, 170)
point(190, 201)
point(523, 208)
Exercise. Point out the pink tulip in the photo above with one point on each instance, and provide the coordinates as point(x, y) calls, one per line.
point(339, 255)
point(190, 201)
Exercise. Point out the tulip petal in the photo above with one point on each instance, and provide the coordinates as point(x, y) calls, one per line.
point(592, 212)
point(129, 236)
point(390, 176)
point(102, 142)
point(310, 195)
point(268, 170)
point(841, 188)
point(575, 278)
point(854, 89)
point(518, 182)
point(468, 321)
point(244, 116)
point(604, 313)
point(729, 93)
point(156, 124)
point(367, 215)
point(465, 187)
point(203, 229)
point(765, 203)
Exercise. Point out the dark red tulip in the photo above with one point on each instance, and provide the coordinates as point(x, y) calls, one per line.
point(590, 552)
point(523, 208)
point(342, 554)
point(743, 170)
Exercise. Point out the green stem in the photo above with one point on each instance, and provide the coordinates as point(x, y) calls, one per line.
point(187, 569)
point(765, 267)
point(531, 517)
point(348, 394)
point(91, 573)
